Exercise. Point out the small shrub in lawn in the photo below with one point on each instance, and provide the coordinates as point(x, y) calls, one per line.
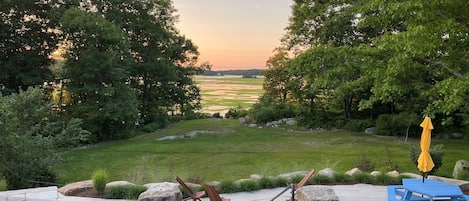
point(130, 192)
point(436, 152)
point(321, 179)
point(364, 178)
point(342, 178)
point(280, 182)
point(267, 182)
point(3, 185)
point(364, 163)
point(100, 178)
point(227, 187)
point(248, 186)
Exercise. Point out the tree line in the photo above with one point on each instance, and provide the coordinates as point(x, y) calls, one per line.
point(361, 63)
point(123, 64)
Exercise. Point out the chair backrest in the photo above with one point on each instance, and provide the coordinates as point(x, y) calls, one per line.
point(212, 193)
point(184, 186)
point(305, 179)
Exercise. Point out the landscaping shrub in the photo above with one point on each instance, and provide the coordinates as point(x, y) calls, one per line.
point(267, 182)
point(129, 192)
point(342, 178)
point(395, 124)
point(436, 151)
point(227, 187)
point(358, 125)
point(280, 182)
point(100, 179)
point(364, 178)
point(364, 163)
point(385, 179)
point(296, 179)
point(321, 179)
point(248, 186)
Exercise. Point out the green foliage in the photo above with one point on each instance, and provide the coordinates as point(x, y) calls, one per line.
point(268, 109)
point(342, 178)
point(99, 87)
point(128, 192)
point(267, 182)
point(385, 179)
point(464, 175)
point(364, 162)
point(364, 178)
point(3, 184)
point(321, 179)
point(31, 134)
point(395, 124)
point(100, 178)
point(248, 185)
point(358, 124)
point(26, 44)
point(227, 186)
point(436, 152)
point(235, 113)
point(279, 181)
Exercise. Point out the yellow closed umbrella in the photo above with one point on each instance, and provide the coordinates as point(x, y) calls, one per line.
point(425, 162)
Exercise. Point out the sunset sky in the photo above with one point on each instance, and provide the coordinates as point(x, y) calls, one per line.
point(234, 34)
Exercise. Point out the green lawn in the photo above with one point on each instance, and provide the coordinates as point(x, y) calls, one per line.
point(237, 151)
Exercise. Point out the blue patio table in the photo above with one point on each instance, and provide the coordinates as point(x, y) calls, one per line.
point(432, 190)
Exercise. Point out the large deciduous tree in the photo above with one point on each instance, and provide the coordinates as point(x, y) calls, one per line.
point(97, 68)
point(164, 60)
point(28, 35)
point(383, 57)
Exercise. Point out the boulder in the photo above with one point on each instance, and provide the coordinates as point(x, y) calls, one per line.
point(117, 183)
point(353, 172)
point(161, 192)
point(461, 166)
point(76, 188)
point(255, 177)
point(370, 130)
point(393, 174)
point(330, 173)
point(316, 193)
point(290, 175)
point(376, 173)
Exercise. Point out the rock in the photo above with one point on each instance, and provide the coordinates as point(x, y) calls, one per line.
point(457, 135)
point(316, 193)
point(376, 173)
point(252, 125)
point(118, 183)
point(394, 174)
point(353, 172)
point(459, 167)
point(330, 173)
point(290, 175)
point(170, 138)
point(290, 122)
point(370, 130)
point(242, 120)
point(161, 192)
point(76, 188)
point(256, 177)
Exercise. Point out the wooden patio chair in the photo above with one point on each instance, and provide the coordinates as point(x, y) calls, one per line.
point(213, 194)
point(195, 196)
point(293, 187)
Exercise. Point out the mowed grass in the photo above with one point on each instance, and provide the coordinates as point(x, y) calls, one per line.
point(221, 93)
point(235, 151)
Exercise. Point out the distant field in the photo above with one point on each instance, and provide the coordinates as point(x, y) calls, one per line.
point(220, 93)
